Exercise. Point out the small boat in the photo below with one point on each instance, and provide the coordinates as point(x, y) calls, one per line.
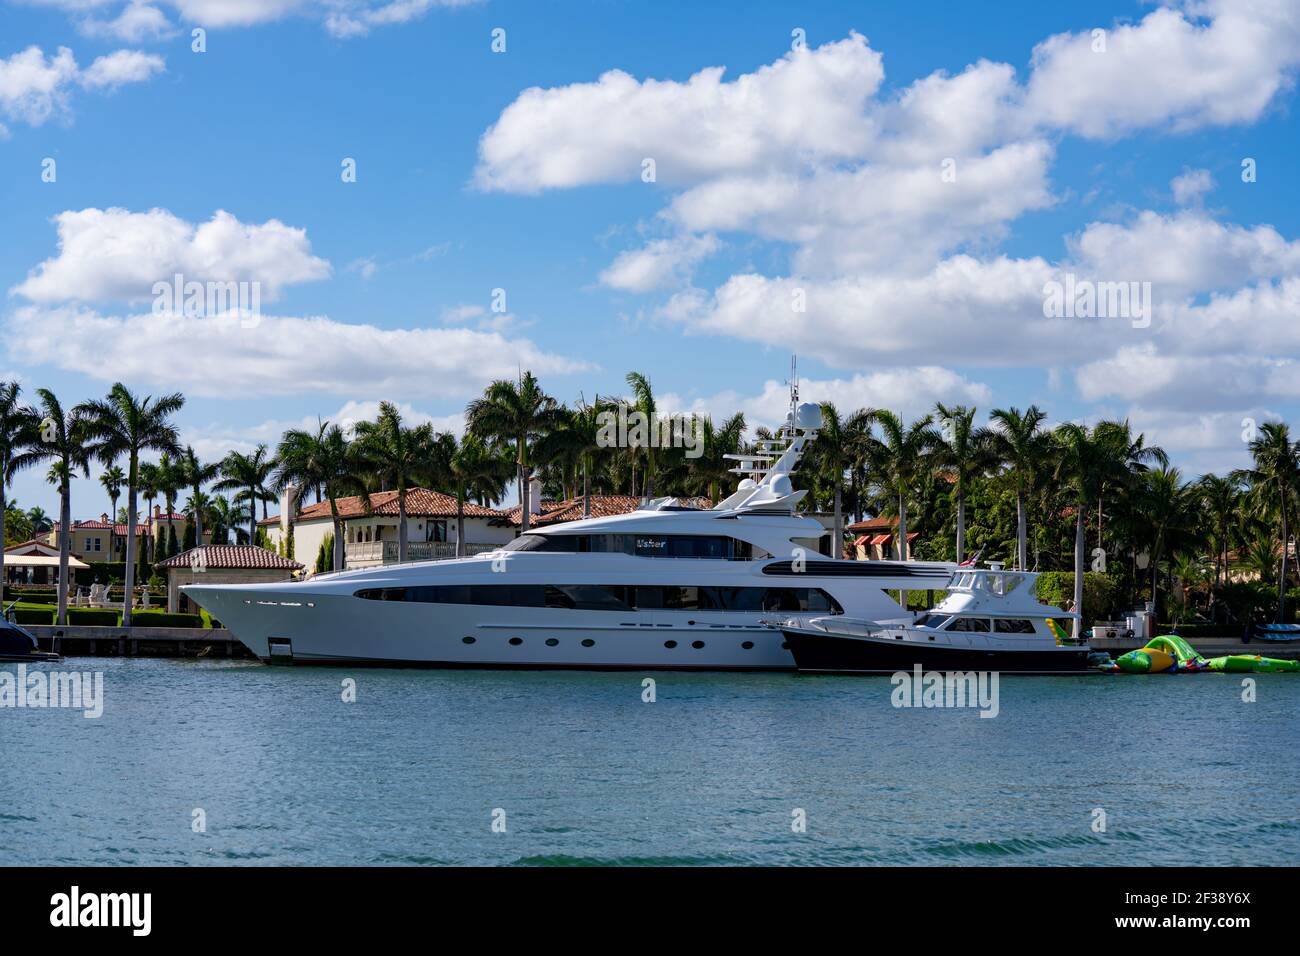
point(990, 620)
point(1277, 632)
point(18, 645)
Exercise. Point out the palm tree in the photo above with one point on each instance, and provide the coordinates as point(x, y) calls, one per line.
point(831, 456)
point(112, 479)
point(196, 474)
point(473, 465)
point(226, 516)
point(62, 441)
point(123, 424)
point(1221, 501)
point(516, 415)
point(40, 522)
point(643, 401)
point(574, 442)
point(711, 472)
point(1275, 479)
point(322, 459)
point(898, 458)
point(1169, 508)
point(1088, 461)
point(149, 480)
point(247, 475)
point(965, 451)
point(1019, 444)
point(396, 455)
point(17, 429)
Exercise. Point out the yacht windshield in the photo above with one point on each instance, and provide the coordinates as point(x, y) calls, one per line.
point(933, 621)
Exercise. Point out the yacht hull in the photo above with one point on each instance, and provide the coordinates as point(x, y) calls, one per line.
point(291, 628)
point(816, 651)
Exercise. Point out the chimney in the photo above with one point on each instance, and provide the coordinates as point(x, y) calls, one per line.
point(288, 501)
point(157, 511)
point(104, 517)
point(534, 495)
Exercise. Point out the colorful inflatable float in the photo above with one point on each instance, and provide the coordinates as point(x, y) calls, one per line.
point(1171, 654)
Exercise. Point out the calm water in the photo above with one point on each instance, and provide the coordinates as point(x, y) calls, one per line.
point(587, 773)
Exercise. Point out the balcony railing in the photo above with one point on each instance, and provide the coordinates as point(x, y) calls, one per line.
point(366, 554)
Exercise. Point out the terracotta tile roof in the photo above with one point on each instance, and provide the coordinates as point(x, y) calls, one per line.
point(602, 506)
point(872, 524)
point(97, 525)
point(230, 556)
point(420, 503)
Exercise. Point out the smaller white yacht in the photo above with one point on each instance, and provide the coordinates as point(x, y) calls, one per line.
point(990, 620)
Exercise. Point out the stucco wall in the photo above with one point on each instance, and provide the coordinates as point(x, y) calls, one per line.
point(178, 577)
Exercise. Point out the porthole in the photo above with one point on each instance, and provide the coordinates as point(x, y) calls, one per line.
point(467, 640)
point(588, 643)
point(552, 641)
point(697, 644)
point(670, 644)
point(748, 645)
point(516, 641)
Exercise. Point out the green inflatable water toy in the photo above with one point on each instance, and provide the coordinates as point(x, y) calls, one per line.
point(1170, 654)
point(1252, 664)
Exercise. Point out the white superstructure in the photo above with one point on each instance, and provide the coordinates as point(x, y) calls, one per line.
point(660, 587)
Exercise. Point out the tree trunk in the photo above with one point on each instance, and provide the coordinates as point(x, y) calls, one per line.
point(839, 526)
point(1078, 571)
point(523, 486)
point(65, 546)
point(1281, 584)
point(402, 535)
point(961, 527)
point(1022, 533)
point(3, 505)
point(586, 489)
point(338, 543)
point(132, 543)
point(460, 521)
point(198, 520)
point(902, 542)
point(252, 515)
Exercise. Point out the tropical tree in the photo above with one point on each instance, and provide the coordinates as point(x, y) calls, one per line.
point(574, 441)
point(898, 459)
point(247, 475)
point(1221, 502)
point(196, 474)
point(227, 515)
point(396, 454)
point(125, 425)
point(473, 465)
point(38, 520)
point(1275, 482)
point(149, 481)
point(112, 478)
point(832, 454)
point(964, 451)
point(514, 415)
point(60, 440)
point(18, 428)
point(710, 474)
point(1170, 508)
point(1019, 443)
point(324, 459)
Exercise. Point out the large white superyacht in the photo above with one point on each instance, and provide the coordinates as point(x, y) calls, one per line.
point(662, 587)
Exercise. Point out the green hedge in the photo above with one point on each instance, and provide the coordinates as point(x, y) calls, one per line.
point(94, 616)
point(1100, 593)
point(163, 619)
point(34, 595)
point(26, 615)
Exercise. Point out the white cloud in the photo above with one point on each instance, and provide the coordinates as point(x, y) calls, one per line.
point(808, 106)
point(357, 19)
point(279, 355)
point(660, 263)
point(911, 391)
point(1171, 69)
point(35, 87)
point(115, 254)
point(1190, 185)
point(137, 22)
point(119, 68)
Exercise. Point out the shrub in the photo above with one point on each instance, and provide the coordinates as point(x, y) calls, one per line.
point(28, 615)
point(1100, 593)
point(164, 619)
point(104, 617)
point(1193, 631)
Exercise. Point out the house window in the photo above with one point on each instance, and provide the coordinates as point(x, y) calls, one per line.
point(435, 531)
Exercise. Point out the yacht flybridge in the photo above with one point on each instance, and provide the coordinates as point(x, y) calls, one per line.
point(662, 587)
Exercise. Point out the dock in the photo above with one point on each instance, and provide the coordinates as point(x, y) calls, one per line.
point(104, 641)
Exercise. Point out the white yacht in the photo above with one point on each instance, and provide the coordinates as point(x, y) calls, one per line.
point(990, 620)
point(662, 587)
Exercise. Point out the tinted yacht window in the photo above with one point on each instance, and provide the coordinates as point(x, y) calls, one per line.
point(616, 597)
point(711, 546)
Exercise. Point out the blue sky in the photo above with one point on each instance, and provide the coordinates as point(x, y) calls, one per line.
point(817, 169)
